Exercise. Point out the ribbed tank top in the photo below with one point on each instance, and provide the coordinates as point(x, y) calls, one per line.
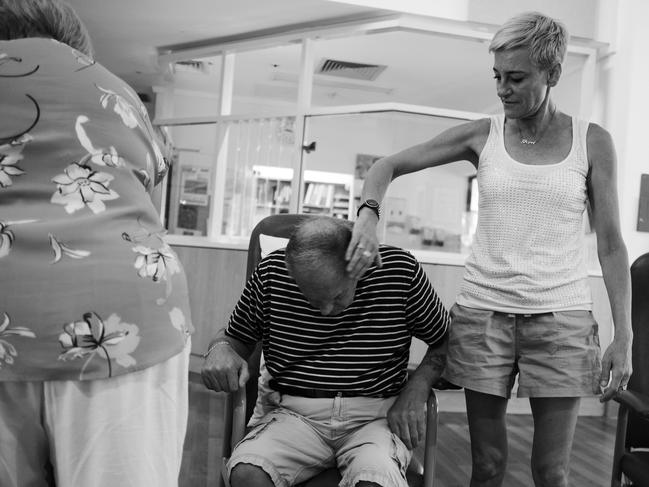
point(529, 254)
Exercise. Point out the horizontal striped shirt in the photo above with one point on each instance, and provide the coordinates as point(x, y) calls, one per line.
point(362, 351)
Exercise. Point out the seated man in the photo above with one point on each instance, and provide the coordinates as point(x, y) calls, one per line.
point(337, 352)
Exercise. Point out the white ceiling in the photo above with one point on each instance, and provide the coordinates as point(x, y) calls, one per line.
point(421, 69)
point(127, 33)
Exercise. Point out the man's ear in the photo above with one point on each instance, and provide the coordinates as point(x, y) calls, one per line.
point(554, 73)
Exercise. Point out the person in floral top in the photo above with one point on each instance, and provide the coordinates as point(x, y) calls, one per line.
point(94, 311)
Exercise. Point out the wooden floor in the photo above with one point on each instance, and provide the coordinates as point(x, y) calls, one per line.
point(590, 465)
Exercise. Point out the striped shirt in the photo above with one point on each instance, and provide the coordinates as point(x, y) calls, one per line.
point(362, 351)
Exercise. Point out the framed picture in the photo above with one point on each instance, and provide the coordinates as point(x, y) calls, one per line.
point(194, 185)
point(363, 164)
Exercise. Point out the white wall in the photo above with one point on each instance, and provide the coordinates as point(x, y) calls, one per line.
point(626, 75)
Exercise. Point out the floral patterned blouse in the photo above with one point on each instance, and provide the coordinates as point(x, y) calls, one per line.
point(88, 287)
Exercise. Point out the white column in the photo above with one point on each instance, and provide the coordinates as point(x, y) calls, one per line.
point(305, 90)
point(219, 174)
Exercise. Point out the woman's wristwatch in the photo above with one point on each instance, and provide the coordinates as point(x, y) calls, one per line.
point(372, 205)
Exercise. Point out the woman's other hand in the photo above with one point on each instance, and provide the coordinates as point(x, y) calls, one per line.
point(616, 368)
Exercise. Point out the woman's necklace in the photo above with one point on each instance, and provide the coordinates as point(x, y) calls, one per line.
point(528, 141)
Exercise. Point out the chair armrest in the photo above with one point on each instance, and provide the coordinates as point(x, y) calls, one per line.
point(430, 450)
point(238, 416)
point(635, 401)
point(234, 429)
point(234, 420)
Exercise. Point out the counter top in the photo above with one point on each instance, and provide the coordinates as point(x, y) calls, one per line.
point(241, 243)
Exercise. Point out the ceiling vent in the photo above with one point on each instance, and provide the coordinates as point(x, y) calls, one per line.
point(190, 66)
point(345, 69)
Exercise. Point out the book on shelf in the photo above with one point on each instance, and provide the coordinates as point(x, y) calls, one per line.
point(283, 194)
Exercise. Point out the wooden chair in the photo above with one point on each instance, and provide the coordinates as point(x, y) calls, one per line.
point(631, 454)
point(240, 405)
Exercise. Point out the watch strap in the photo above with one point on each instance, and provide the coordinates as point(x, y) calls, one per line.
point(375, 209)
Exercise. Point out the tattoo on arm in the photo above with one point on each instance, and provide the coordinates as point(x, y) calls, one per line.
point(435, 359)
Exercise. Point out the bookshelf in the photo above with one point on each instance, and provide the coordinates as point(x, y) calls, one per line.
point(328, 193)
point(272, 190)
point(325, 193)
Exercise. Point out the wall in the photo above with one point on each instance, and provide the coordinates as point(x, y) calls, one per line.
point(578, 15)
point(625, 75)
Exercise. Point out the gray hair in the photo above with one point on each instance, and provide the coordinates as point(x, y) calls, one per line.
point(319, 242)
point(53, 19)
point(545, 37)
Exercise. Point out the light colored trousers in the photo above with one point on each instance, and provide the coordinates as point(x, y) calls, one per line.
point(127, 431)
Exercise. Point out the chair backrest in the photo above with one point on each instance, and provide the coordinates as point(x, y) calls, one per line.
point(279, 226)
point(637, 429)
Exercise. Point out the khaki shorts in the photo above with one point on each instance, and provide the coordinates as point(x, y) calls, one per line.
point(303, 436)
point(553, 354)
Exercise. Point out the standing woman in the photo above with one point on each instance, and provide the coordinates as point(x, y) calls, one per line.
point(524, 308)
point(94, 310)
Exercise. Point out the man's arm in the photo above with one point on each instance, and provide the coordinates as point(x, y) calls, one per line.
point(243, 349)
point(431, 367)
point(428, 320)
point(407, 417)
point(225, 367)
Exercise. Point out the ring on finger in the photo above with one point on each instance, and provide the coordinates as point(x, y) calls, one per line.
point(367, 253)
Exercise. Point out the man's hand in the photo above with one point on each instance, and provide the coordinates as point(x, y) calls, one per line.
point(407, 416)
point(224, 370)
point(616, 368)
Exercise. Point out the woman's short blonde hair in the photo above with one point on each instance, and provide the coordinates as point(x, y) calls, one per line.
point(545, 37)
point(43, 18)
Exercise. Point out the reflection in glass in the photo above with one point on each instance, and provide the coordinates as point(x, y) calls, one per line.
point(422, 210)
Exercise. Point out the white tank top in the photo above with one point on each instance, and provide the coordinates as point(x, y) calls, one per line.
point(529, 254)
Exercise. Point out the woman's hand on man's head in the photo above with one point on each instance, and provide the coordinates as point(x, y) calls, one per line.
point(363, 249)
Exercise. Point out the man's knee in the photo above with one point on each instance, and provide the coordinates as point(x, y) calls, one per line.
point(247, 475)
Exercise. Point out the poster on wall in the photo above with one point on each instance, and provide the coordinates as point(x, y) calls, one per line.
point(194, 186)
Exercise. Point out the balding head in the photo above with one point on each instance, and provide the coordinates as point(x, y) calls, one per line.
point(315, 258)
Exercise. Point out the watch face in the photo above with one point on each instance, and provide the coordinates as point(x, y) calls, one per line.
point(372, 203)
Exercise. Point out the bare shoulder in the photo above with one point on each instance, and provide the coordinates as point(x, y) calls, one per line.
point(472, 134)
point(601, 150)
point(475, 128)
point(479, 133)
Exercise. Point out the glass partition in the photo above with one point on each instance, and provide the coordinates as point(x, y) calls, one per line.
point(231, 172)
point(424, 210)
point(189, 181)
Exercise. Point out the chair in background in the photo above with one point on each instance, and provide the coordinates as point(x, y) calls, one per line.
point(631, 454)
point(240, 405)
